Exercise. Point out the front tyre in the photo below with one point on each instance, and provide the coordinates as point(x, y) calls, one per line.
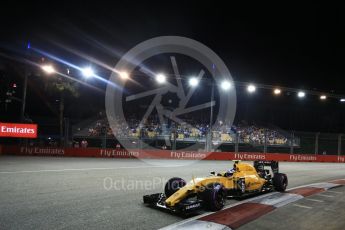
point(214, 197)
point(173, 185)
point(280, 182)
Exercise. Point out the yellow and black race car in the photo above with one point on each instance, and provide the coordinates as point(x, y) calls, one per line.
point(210, 192)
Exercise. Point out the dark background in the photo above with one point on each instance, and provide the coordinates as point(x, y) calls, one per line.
point(298, 46)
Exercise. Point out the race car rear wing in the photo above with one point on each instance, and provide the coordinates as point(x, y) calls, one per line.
point(260, 166)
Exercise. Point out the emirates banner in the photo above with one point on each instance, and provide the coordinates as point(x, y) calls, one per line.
point(18, 130)
point(167, 154)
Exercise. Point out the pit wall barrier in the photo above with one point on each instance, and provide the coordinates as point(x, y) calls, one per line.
point(166, 154)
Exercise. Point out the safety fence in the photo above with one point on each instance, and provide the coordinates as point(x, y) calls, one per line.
point(166, 154)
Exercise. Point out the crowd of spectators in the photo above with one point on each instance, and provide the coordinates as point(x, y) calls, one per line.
point(258, 135)
point(191, 130)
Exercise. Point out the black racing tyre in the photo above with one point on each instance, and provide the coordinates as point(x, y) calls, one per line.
point(214, 196)
point(173, 185)
point(280, 182)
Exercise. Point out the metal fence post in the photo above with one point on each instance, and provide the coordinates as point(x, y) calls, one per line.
point(104, 136)
point(141, 137)
point(236, 142)
point(317, 143)
point(265, 141)
point(174, 140)
point(292, 142)
point(209, 146)
point(67, 133)
point(339, 144)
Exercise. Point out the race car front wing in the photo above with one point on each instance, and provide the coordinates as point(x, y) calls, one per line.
point(186, 206)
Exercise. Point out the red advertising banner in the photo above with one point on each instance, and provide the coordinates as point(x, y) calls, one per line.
point(18, 130)
point(167, 154)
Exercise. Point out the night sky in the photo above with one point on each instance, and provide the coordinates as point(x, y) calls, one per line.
point(298, 46)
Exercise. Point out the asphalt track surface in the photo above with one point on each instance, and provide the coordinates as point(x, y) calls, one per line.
point(96, 193)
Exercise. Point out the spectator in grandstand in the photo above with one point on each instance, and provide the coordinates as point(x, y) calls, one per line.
point(84, 143)
point(75, 144)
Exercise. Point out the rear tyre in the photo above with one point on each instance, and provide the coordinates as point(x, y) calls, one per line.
point(173, 185)
point(214, 197)
point(280, 182)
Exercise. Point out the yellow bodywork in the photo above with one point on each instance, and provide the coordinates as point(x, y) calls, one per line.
point(253, 182)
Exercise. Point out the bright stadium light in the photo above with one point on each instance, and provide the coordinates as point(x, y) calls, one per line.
point(49, 69)
point(226, 85)
point(277, 91)
point(161, 78)
point(124, 75)
point(87, 72)
point(301, 94)
point(193, 81)
point(323, 97)
point(251, 88)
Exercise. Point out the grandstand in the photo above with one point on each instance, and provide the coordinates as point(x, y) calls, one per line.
point(97, 129)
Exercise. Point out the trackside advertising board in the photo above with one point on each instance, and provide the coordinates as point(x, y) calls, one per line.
point(18, 130)
point(166, 154)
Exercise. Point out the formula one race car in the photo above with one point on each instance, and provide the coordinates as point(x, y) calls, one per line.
point(210, 192)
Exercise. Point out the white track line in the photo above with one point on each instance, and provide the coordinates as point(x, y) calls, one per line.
point(334, 192)
point(197, 225)
point(87, 169)
point(315, 200)
point(302, 206)
point(324, 195)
